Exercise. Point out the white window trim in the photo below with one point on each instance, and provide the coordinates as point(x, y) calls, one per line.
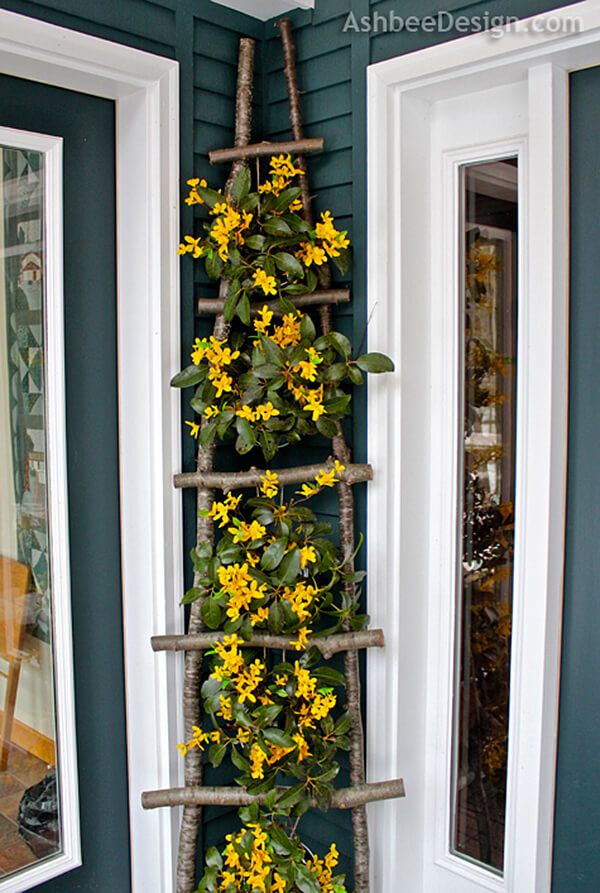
point(58, 523)
point(146, 90)
point(408, 553)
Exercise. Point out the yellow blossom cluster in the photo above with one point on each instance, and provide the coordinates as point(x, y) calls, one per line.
point(323, 868)
point(262, 412)
point(332, 243)
point(194, 197)
point(250, 863)
point(282, 172)
point(199, 738)
point(269, 485)
point(218, 358)
point(241, 589)
point(229, 225)
point(262, 280)
point(221, 511)
point(323, 479)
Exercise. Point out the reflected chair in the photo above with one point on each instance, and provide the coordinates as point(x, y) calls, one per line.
point(15, 580)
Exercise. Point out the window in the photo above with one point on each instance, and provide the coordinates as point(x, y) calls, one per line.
point(468, 153)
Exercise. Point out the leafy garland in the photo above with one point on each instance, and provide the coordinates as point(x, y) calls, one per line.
point(271, 381)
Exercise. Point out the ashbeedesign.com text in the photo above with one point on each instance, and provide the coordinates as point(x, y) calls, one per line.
point(443, 22)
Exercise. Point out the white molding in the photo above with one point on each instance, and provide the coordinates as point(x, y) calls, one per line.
point(58, 521)
point(408, 413)
point(266, 9)
point(145, 88)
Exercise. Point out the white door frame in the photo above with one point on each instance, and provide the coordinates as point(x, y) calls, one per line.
point(146, 93)
point(412, 284)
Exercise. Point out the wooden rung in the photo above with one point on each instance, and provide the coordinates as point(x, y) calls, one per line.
point(327, 645)
point(310, 299)
point(257, 150)
point(237, 480)
point(343, 798)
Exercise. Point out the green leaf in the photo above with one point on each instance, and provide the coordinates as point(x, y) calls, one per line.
point(290, 797)
point(275, 618)
point(290, 566)
point(241, 185)
point(212, 613)
point(239, 761)
point(355, 375)
point(192, 595)
point(207, 433)
point(214, 266)
point(273, 554)
point(375, 362)
point(286, 198)
point(328, 676)
point(277, 227)
point(326, 427)
point(231, 300)
point(224, 420)
point(256, 243)
point(278, 738)
point(216, 754)
point(246, 437)
point(306, 880)
point(307, 328)
point(243, 309)
point(188, 377)
point(213, 858)
point(289, 264)
point(210, 196)
point(341, 343)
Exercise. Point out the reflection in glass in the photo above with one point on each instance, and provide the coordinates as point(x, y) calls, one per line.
point(487, 451)
point(29, 824)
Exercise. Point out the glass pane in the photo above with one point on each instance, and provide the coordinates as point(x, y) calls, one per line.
point(29, 820)
point(486, 522)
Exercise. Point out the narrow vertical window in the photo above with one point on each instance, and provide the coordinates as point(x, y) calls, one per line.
point(486, 510)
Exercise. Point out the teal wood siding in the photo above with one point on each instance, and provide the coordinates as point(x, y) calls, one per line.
point(204, 38)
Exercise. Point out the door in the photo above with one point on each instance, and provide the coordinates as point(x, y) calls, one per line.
point(87, 127)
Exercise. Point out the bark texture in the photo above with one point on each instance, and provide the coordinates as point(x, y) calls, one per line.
point(328, 645)
point(192, 814)
point(259, 150)
point(343, 798)
point(237, 480)
point(310, 299)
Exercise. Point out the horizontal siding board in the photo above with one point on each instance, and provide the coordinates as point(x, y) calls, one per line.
point(133, 16)
point(334, 69)
point(310, 43)
point(210, 38)
point(316, 107)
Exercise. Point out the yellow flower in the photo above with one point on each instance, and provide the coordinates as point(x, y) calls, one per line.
point(307, 553)
point(289, 331)
point(194, 428)
point(302, 744)
point(246, 412)
point(326, 478)
point(314, 403)
point(257, 760)
point(302, 641)
point(266, 411)
point(199, 351)
point(247, 532)
point(311, 254)
point(264, 281)
point(262, 324)
point(308, 368)
point(307, 490)
point(192, 247)
point(194, 198)
point(269, 484)
point(211, 411)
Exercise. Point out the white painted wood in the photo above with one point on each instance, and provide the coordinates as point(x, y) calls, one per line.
point(145, 88)
point(429, 112)
point(58, 522)
point(266, 9)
